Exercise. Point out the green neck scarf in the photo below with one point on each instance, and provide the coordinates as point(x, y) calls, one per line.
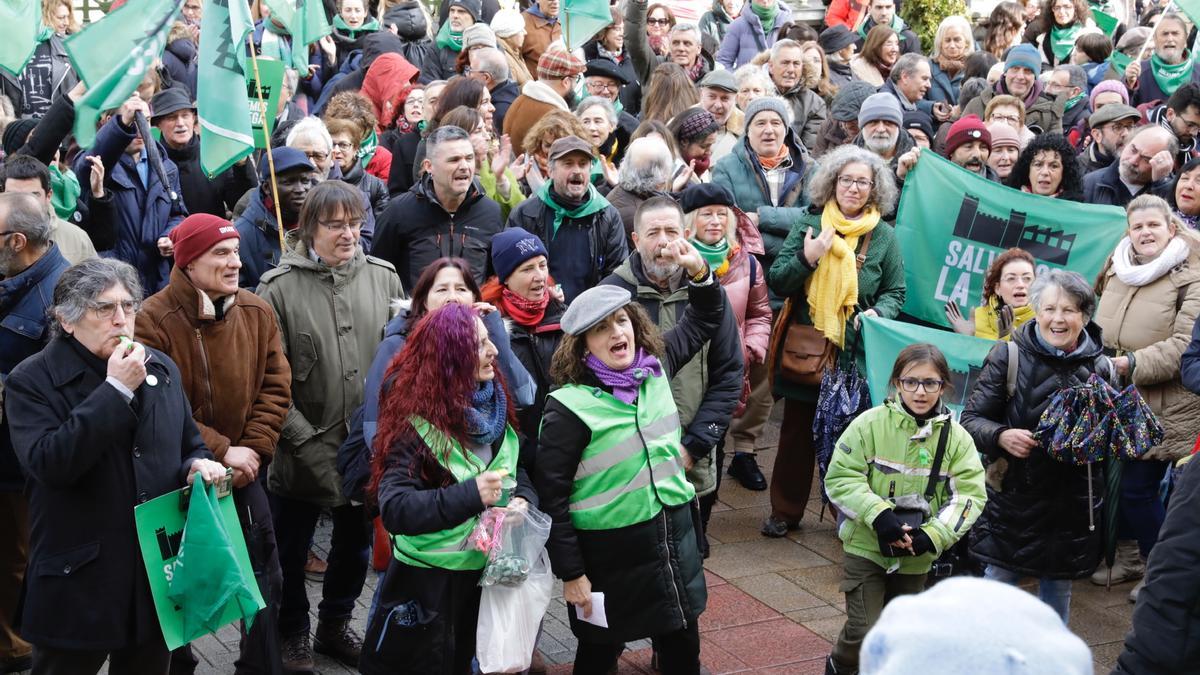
point(714, 254)
point(64, 188)
point(766, 15)
point(595, 203)
point(449, 39)
point(340, 26)
point(1170, 77)
point(44, 34)
point(1075, 99)
point(1062, 40)
point(366, 149)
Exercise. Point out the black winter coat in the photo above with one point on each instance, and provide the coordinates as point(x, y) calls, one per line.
point(650, 573)
point(415, 230)
point(444, 603)
point(534, 347)
point(1037, 523)
point(402, 175)
point(583, 251)
point(90, 457)
point(1165, 638)
point(371, 186)
point(201, 195)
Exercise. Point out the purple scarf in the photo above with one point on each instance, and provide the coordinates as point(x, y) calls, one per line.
point(625, 382)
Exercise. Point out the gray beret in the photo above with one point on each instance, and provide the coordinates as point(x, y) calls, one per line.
point(593, 306)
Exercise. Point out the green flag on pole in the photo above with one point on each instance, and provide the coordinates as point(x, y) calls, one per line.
point(884, 338)
point(582, 19)
point(1189, 7)
point(1120, 62)
point(952, 223)
point(112, 56)
point(1105, 22)
point(22, 21)
point(305, 21)
point(221, 105)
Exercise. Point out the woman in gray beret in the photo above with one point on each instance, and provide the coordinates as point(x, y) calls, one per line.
point(610, 472)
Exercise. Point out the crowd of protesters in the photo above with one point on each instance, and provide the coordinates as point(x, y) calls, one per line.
point(473, 256)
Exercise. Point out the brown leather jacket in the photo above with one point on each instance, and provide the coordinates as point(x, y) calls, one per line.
point(234, 371)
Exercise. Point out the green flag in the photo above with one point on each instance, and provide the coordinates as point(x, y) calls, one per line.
point(1189, 7)
point(884, 338)
point(1120, 62)
point(582, 19)
point(22, 21)
point(112, 56)
point(221, 85)
point(305, 21)
point(952, 223)
point(1105, 22)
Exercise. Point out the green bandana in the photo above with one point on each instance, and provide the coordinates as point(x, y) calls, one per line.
point(64, 188)
point(449, 39)
point(714, 254)
point(366, 149)
point(1075, 99)
point(340, 26)
point(1170, 77)
point(766, 15)
point(44, 34)
point(1062, 40)
point(595, 203)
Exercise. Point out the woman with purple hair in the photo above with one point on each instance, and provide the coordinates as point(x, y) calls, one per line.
point(610, 472)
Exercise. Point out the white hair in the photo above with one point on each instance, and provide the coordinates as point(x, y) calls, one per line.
point(312, 129)
point(953, 21)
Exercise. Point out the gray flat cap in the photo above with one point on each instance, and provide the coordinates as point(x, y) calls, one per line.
point(593, 306)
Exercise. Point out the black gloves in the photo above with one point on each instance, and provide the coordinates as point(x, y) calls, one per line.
point(921, 543)
point(888, 527)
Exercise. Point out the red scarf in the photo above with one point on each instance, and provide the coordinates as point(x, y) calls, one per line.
point(697, 69)
point(527, 313)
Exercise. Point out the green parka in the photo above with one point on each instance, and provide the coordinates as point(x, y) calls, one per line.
point(883, 456)
point(331, 320)
point(880, 287)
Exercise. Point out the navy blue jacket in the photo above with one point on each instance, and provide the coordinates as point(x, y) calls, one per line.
point(942, 87)
point(24, 322)
point(1104, 186)
point(142, 213)
point(260, 241)
point(1148, 90)
point(503, 97)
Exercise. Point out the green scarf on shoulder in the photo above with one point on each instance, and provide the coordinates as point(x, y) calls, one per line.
point(595, 203)
point(340, 26)
point(715, 254)
point(1062, 40)
point(449, 39)
point(64, 189)
point(766, 15)
point(366, 149)
point(1170, 77)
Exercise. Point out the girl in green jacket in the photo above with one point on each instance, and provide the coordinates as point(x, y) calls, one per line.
point(880, 472)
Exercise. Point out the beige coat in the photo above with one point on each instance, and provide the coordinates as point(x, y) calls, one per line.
point(1154, 322)
point(517, 72)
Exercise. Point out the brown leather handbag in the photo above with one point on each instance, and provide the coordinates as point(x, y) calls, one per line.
point(804, 352)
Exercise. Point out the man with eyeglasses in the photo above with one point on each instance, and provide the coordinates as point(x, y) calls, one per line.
point(1181, 116)
point(1144, 167)
point(225, 341)
point(30, 265)
point(606, 79)
point(295, 176)
point(174, 114)
point(489, 66)
point(1110, 127)
point(684, 46)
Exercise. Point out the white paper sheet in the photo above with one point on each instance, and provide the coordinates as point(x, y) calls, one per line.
point(597, 618)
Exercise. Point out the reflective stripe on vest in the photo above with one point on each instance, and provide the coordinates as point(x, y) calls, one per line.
point(632, 467)
point(451, 549)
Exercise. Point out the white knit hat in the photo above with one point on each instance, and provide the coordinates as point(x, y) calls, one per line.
point(507, 23)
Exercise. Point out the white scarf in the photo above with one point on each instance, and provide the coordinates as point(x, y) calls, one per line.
point(1134, 274)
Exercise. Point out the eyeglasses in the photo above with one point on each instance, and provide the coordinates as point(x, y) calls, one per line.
point(342, 226)
point(596, 84)
point(317, 156)
point(910, 384)
point(342, 145)
point(107, 310)
point(1011, 119)
point(658, 22)
point(860, 183)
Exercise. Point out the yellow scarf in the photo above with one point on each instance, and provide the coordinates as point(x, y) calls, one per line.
point(832, 288)
point(987, 319)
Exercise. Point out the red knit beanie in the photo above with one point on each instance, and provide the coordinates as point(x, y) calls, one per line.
point(966, 130)
point(198, 233)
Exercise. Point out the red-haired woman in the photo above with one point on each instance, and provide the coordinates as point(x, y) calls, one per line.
point(446, 440)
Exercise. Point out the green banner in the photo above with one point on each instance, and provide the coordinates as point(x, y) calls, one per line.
point(112, 56)
point(1105, 22)
point(271, 72)
point(224, 114)
point(884, 338)
point(22, 20)
point(952, 223)
point(1189, 7)
point(159, 525)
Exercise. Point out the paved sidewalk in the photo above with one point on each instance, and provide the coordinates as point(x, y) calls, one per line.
point(774, 604)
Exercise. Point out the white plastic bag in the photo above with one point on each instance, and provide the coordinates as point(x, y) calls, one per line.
point(509, 618)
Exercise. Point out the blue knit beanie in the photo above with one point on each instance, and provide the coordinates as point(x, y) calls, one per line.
point(512, 247)
point(1024, 55)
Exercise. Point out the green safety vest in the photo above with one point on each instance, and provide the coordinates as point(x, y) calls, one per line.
point(450, 549)
point(632, 467)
